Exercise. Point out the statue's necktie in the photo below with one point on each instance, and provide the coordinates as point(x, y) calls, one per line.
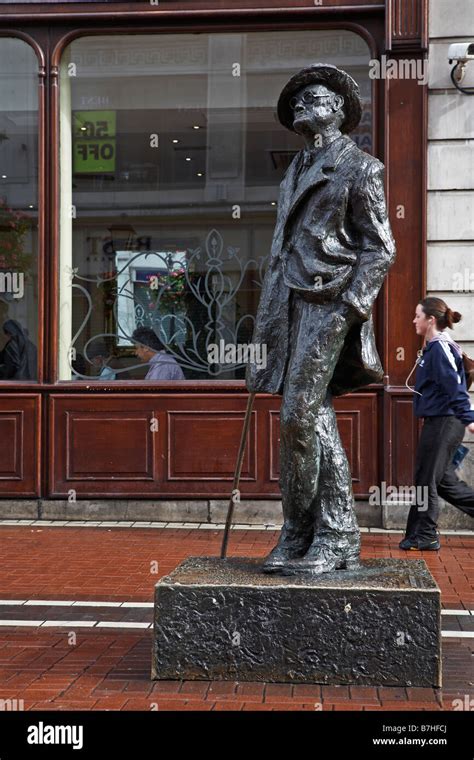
point(307, 159)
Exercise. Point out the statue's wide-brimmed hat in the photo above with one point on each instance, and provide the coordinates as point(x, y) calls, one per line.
point(336, 80)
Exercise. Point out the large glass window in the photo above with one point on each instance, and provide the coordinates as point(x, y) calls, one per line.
point(18, 211)
point(171, 159)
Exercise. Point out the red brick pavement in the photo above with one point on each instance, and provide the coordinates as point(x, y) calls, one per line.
point(109, 669)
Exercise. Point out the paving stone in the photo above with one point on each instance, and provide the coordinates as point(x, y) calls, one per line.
point(95, 564)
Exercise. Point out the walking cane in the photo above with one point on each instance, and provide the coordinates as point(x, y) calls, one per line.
point(238, 469)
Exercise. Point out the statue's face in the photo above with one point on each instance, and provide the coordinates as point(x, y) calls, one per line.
point(314, 107)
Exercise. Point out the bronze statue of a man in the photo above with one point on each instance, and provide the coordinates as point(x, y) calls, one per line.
point(331, 250)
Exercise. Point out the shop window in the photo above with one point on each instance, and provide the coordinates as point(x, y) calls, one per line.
point(18, 211)
point(171, 158)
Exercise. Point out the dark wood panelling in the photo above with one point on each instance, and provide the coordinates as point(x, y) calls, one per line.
point(273, 418)
point(20, 445)
point(406, 168)
point(192, 9)
point(406, 25)
point(204, 445)
point(402, 429)
point(103, 445)
point(104, 434)
point(406, 118)
point(11, 433)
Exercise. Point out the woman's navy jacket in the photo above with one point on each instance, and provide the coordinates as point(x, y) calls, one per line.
point(441, 380)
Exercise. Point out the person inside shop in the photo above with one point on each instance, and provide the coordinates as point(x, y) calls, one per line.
point(150, 350)
point(102, 360)
point(442, 400)
point(18, 358)
point(78, 367)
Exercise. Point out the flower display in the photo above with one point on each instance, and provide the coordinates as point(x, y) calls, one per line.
point(168, 288)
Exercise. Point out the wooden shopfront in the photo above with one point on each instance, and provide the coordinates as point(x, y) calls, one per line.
point(139, 144)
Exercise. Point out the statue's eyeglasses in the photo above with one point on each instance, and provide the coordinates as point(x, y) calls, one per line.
point(308, 97)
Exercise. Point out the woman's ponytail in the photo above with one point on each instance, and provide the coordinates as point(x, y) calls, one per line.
point(439, 309)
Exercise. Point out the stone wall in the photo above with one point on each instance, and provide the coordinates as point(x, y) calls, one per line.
point(450, 228)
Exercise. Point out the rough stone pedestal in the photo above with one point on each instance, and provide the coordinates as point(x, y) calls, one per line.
point(224, 619)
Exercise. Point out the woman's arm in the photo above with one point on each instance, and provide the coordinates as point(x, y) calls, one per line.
point(449, 379)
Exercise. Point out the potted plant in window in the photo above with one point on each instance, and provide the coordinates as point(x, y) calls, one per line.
point(169, 288)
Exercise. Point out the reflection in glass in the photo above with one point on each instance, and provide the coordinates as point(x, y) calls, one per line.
point(18, 210)
point(171, 158)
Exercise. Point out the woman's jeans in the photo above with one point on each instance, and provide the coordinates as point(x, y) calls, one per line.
point(440, 437)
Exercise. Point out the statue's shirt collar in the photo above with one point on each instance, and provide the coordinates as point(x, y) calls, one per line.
point(309, 155)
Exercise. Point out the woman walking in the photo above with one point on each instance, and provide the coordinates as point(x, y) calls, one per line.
point(442, 400)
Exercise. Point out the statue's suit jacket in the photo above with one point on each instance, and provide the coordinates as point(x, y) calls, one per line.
point(335, 210)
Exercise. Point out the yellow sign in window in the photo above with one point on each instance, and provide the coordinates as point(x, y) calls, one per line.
point(94, 143)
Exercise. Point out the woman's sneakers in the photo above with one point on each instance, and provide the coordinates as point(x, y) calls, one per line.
point(411, 543)
point(408, 543)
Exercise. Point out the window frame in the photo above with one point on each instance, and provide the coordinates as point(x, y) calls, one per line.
point(42, 220)
point(63, 42)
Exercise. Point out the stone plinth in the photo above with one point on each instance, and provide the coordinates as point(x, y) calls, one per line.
point(225, 619)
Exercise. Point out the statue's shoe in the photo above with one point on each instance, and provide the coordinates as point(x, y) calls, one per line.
point(325, 560)
point(280, 556)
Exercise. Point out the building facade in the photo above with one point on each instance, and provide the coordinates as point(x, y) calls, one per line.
point(450, 232)
point(140, 162)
